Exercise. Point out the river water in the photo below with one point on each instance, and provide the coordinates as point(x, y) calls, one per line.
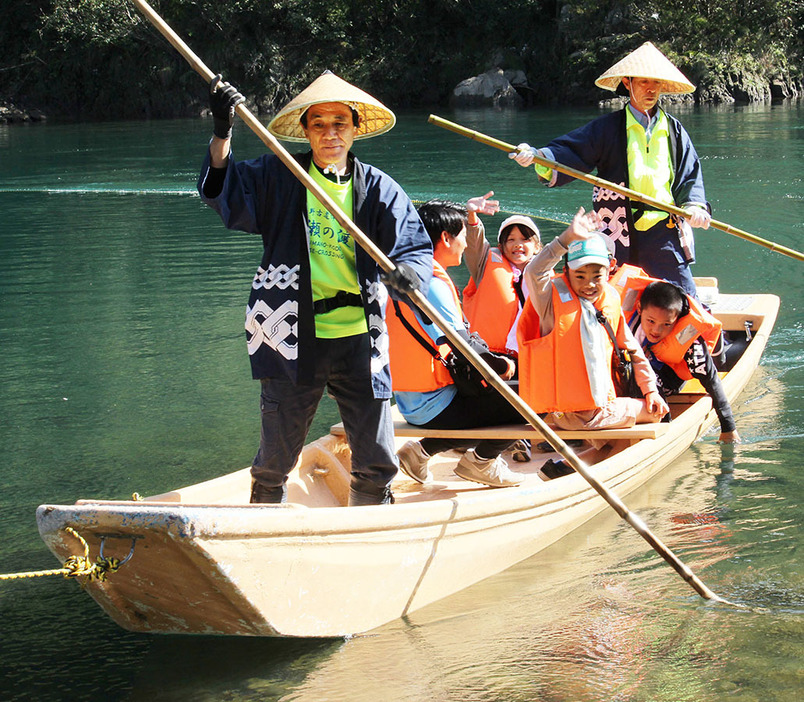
point(124, 369)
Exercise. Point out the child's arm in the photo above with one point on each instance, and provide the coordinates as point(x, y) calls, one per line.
point(538, 273)
point(477, 247)
point(643, 373)
point(702, 367)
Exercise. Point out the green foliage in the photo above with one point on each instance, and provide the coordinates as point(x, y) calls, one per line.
point(94, 22)
point(100, 58)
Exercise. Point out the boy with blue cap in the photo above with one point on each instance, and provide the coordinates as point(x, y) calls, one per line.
point(566, 353)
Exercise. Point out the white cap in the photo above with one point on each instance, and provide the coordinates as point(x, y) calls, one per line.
point(521, 221)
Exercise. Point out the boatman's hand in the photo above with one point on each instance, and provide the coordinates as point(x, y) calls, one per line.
point(524, 154)
point(403, 278)
point(698, 217)
point(223, 99)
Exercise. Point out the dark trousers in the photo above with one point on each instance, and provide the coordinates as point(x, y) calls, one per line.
point(487, 410)
point(342, 366)
point(658, 252)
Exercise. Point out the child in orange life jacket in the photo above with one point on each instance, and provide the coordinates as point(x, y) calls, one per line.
point(495, 295)
point(496, 292)
point(666, 324)
point(423, 388)
point(565, 354)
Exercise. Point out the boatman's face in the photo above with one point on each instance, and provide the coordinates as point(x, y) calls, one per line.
point(331, 132)
point(644, 92)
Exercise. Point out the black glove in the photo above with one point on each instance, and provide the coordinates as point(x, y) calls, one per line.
point(403, 278)
point(223, 99)
point(500, 364)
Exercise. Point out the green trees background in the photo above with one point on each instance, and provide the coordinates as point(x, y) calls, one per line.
point(94, 59)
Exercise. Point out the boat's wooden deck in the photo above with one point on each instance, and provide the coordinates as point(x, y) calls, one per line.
point(446, 484)
point(517, 431)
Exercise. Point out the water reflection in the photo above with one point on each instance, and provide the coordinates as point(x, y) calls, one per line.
point(213, 669)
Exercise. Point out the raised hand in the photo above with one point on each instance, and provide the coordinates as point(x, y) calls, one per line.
point(223, 99)
point(483, 205)
point(584, 225)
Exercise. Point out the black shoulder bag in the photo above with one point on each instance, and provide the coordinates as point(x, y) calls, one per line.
point(622, 371)
point(469, 382)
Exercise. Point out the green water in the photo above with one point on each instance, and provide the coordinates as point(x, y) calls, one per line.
point(124, 369)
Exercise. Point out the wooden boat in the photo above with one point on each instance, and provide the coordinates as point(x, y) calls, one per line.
point(206, 562)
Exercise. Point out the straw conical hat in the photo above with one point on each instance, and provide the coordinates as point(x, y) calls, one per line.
point(646, 62)
point(375, 118)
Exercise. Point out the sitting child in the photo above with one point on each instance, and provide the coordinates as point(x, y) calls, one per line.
point(677, 335)
point(496, 293)
point(424, 390)
point(565, 353)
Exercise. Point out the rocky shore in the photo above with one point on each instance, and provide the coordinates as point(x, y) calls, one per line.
point(510, 88)
point(11, 114)
point(498, 87)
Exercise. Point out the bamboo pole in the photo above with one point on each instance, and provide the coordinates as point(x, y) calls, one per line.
point(608, 185)
point(421, 301)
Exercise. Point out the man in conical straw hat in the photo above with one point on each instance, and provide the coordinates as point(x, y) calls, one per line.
point(315, 315)
point(644, 149)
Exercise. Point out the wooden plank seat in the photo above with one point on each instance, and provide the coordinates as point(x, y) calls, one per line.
point(517, 431)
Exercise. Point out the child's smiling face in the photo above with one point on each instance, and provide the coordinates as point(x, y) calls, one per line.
point(657, 323)
point(587, 281)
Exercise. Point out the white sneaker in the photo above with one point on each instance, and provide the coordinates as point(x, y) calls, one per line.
point(413, 462)
point(488, 471)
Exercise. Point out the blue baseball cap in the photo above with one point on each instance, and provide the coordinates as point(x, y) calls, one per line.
point(581, 253)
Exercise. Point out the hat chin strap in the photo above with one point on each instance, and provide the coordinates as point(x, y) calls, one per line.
point(631, 97)
point(333, 169)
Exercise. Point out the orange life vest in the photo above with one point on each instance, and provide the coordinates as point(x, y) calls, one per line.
point(697, 322)
point(413, 369)
point(630, 281)
point(491, 307)
point(553, 374)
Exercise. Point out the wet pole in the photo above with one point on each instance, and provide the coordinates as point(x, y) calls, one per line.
point(422, 303)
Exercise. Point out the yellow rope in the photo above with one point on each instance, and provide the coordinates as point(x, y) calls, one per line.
point(74, 566)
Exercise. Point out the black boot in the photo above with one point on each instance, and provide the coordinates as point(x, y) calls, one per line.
point(556, 469)
point(364, 491)
point(520, 451)
point(262, 494)
point(360, 499)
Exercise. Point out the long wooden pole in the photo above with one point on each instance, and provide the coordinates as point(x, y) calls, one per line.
point(621, 189)
point(421, 301)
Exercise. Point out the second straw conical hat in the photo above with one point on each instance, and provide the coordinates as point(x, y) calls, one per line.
point(646, 62)
point(375, 118)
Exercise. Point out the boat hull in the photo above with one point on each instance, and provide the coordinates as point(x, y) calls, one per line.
point(204, 566)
